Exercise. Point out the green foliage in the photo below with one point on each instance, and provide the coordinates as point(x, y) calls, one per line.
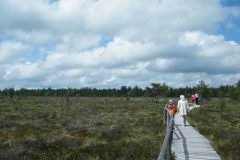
point(9, 92)
point(157, 89)
point(220, 94)
point(172, 156)
point(222, 105)
point(237, 91)
point(203, 89)
point(69, 94)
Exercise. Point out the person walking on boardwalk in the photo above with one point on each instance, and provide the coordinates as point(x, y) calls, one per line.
point(183, 109)
point(193, 98)
point(196, 96)
point(172, 109)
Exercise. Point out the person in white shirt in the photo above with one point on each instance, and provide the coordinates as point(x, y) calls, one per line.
point(197, 97)
point(183, 109)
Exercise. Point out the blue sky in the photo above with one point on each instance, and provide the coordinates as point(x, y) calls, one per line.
point(102, 44)
point(232, 33)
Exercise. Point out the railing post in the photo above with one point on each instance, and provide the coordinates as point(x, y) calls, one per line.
point(165, 116)
point(170, 146)
point(166, 147)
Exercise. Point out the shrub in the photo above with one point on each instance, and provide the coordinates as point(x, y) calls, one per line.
point(222, 105)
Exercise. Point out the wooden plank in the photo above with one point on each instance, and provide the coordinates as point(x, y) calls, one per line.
point(188, 144)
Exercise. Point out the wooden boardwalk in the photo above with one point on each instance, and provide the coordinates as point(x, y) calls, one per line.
point(188, 144)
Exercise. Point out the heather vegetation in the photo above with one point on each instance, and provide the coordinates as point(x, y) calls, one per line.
point(81, 128)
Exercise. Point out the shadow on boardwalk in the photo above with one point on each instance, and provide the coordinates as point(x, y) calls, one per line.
point(188, 144)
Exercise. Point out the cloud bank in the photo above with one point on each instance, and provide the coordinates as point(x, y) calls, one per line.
point(102, 44)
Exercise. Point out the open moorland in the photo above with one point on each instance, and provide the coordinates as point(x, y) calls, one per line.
point(106, 128)
point(81, 128)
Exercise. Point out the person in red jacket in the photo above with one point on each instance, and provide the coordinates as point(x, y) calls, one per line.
point(172, 109)
point(193, 98)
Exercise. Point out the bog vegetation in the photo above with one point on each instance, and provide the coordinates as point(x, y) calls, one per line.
point(81, 128)
point(124, 123)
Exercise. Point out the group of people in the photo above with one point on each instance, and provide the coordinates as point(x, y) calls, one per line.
point(182, 109)
point(195, 98)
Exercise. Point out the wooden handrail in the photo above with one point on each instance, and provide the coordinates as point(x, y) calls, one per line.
point(166, 146)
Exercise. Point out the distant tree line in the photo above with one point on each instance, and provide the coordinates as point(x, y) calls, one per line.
point(154, 90)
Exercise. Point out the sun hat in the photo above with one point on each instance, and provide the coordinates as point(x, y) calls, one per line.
point(182, 96)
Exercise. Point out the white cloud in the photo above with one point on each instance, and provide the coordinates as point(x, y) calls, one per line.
point(113, 43)
point(27, 71)
point(200, 39)
point(73, 42)
point(37, 37)
point(13, 51)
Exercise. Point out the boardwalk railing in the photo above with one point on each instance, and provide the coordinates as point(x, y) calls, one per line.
point(166, 146)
